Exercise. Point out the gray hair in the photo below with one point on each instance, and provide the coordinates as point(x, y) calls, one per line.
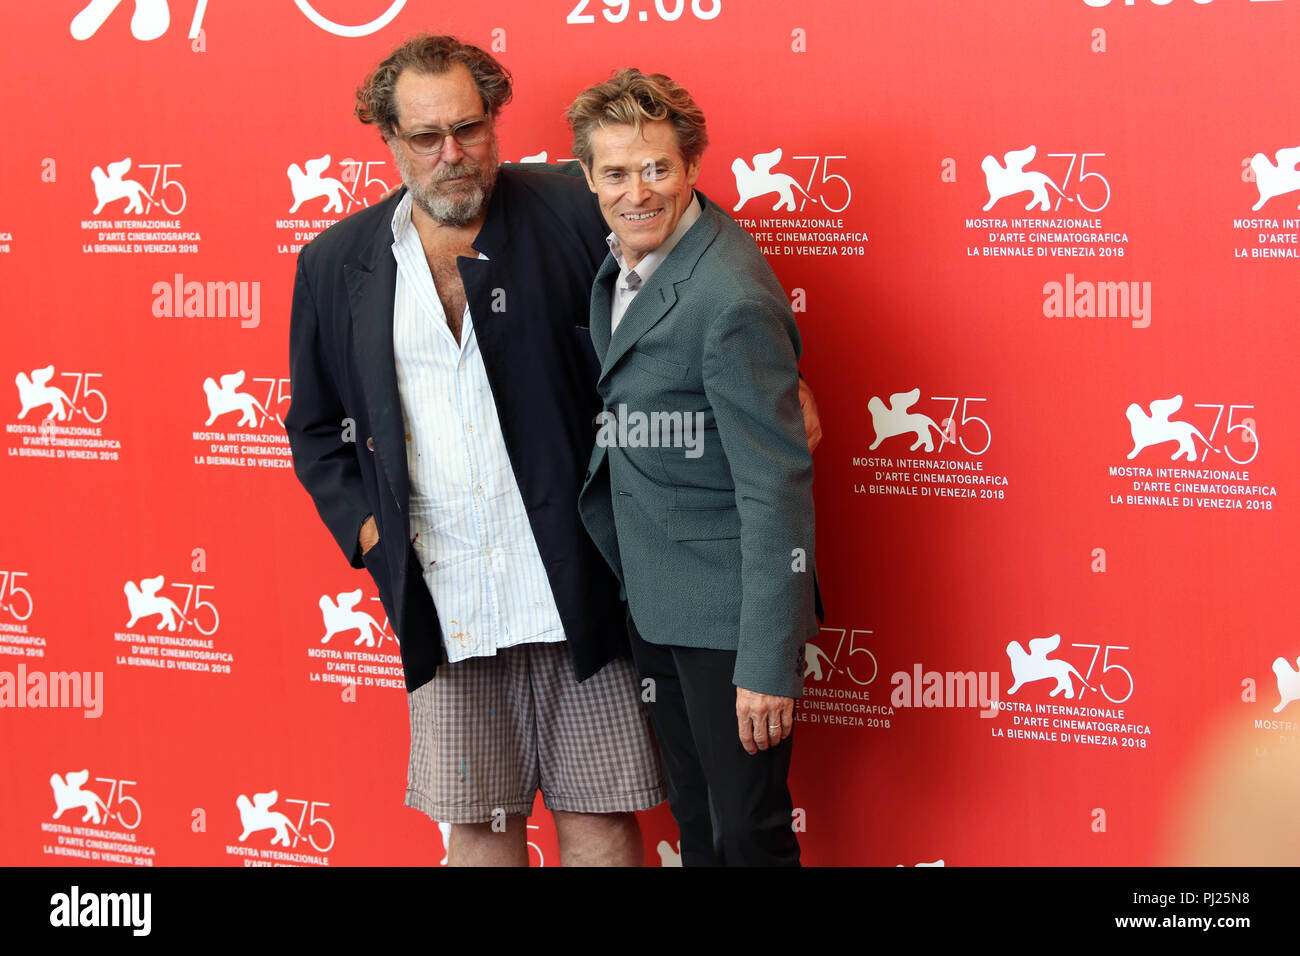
point(631, 98)
point(430, 55)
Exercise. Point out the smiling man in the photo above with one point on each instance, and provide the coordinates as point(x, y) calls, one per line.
point(712, 539)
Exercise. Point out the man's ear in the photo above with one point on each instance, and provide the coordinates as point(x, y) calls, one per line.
point(693, 170)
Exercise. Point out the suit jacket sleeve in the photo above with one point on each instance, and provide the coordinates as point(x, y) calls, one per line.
point(324, 461)
point(750, 372)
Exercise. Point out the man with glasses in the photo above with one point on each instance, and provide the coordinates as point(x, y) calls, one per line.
point(444, 403)
point(443, 395)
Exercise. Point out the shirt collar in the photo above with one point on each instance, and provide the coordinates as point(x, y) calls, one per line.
point(652, 260)
point(403, 227)
point(402, 217)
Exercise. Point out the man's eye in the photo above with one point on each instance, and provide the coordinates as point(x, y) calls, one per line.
point(471, 131)
point(426, 140)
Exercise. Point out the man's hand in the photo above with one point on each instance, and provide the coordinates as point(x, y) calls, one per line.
point(812, 424)
point(764, 720)
point(369, 536)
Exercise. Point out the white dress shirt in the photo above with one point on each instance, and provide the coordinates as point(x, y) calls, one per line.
point(467, 517)
point(630, 281)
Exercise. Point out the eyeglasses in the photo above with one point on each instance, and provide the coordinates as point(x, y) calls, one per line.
point(470, 132)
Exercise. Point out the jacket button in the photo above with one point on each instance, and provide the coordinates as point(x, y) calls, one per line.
point(370, 443)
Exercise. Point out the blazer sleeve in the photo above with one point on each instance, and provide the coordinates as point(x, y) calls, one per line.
point(323, 460)
point(750, 372)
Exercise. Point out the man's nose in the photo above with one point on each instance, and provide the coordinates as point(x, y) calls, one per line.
point(638, 191)
point(452, 152)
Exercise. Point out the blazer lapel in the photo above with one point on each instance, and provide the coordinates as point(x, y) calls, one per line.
point(372, 282)
point(660, 293)
point(602, 298)
point(483, 278)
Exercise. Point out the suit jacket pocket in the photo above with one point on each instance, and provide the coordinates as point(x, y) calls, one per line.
point(657, 366)
point(374, 561)
point(686, 524)
point(581, 339)
point(377, 564)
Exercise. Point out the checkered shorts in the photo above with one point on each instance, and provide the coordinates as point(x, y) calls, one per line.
point(488, 732)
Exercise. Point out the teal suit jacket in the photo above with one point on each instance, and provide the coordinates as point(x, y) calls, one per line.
point(711, 539)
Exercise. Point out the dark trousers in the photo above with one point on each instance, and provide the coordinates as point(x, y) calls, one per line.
point(733, 808)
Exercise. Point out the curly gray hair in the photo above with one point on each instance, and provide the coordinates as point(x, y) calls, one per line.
point(431, 55)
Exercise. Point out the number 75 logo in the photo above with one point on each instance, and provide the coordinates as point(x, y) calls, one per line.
point(849, 657)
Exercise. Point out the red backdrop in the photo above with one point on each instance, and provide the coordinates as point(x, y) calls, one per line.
point(1019, 349)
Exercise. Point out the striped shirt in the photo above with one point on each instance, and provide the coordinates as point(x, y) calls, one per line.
point(468, 521)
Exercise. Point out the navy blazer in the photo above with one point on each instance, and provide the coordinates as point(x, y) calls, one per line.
point(543, 236)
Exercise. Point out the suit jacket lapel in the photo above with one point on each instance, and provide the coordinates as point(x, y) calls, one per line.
point(660, 293)
point(602, 297)
point(489, 283)
point(482, 278)
point(372, 282)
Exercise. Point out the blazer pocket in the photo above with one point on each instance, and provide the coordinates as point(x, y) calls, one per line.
point(695, 525)
point(582, 339)
point(377, 564)
point(375, 555)
point(657, 366)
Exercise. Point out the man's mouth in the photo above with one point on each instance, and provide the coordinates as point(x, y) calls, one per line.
point(641, 216)
point(458, 178)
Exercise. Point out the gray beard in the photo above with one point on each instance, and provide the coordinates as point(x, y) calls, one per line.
point(459, 210)
point(464, 207)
